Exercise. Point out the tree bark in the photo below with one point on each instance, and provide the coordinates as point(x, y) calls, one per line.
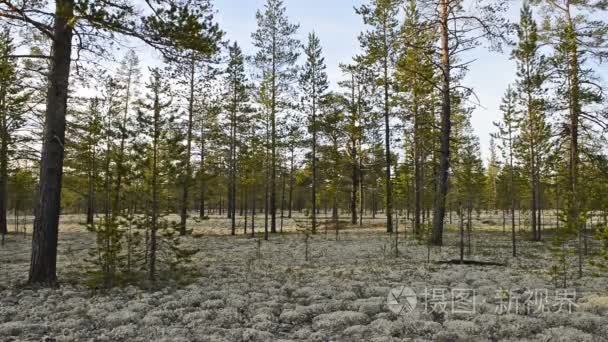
point(203, 183)
point(355, 185)
point(575, 110)
point(387, 143)
point(417, 172)
point(90, 198)
point(446, 128)
point(188, 175)
point(314, 170)
point(44, 242)
point(3, 175)
point(154, 228)
point(291, 182)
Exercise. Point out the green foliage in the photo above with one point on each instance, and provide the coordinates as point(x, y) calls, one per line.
point(107, 263)
point(276, 44)
point(122, 251)
point(174, 260)
point(600, 262)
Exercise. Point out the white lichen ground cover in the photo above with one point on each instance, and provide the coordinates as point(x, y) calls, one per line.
point(272, 294)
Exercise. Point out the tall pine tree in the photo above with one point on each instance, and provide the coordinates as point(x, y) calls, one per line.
point(276, 57)
point(314, 84)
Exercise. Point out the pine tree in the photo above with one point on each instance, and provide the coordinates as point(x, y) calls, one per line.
point(575, 37)
point(470, 180)
point(84, 137)
point(191, 73)
point(532, 73)
point(455, 27)
point(171, 27)
point(238, 96)
point(127, 81)
point(295, 137)
point(354, 132)
point(359, 94)
point(313, 81)
point(379, 45)
point(492, 183)
point(276, 57)
point(207, 108)
point(507, 134)
point(13, 110)
point(332, 128)
point(415, 75)
point(153, 125)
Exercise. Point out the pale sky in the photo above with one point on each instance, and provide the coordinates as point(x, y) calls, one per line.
point(338, 27)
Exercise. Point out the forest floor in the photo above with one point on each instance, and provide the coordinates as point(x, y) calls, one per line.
point(353, 288)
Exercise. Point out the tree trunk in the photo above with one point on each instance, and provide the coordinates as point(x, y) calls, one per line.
point(575, 110)
point(90, 198)
point(361, 194)
point(121, 152)
point(387, 143)
point(446, 128)
point(154, 228)
point(3, 176)
point(266, 185)
point(44, 242)
point(283, 203)
point(355, 185)
point(417, 172)
point(188, 175)
point(291, 182)
point(203, 182)
point(273, 158)
point(245, 209)
point(253, 198)
point(314, 173)
point(461, 216)
point(232, 199)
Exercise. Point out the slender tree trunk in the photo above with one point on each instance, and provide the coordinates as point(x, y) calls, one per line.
point(232, 205)
point(512, 191)
point(3, 175)
point(203, 183)
point(355, 184)
point(273, 158)
point(539, 212)
point(532, 156)
point(154, 228)
point(374, 206)
point(361, 194)
point(314, 172)
point(121, 152)
point(446, 128)
point(108, 274)
point(4, 140)
point(245, 208)
point(575, 110)
point(283, 203)
point(417, 171)
point(253, 198)
point(266, 185)
point(188, 175)
point(387, 143)
point(469, 226)
point(291, 182)
point(44, 242)
point(90, 197)
point(461, 216)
